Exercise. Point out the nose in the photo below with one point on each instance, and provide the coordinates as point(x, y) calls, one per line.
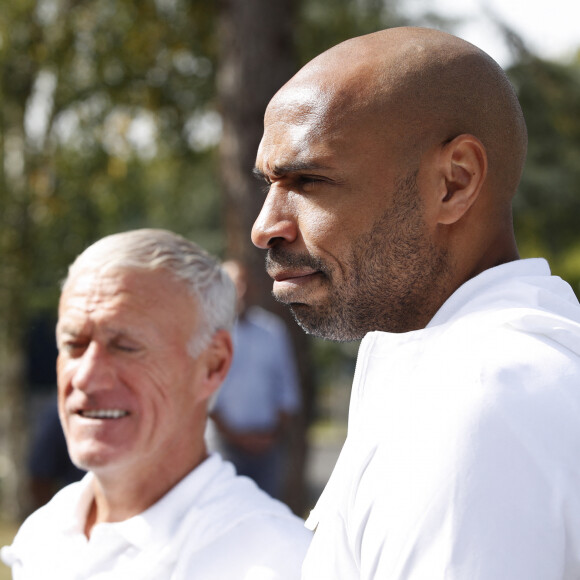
point(91, 371)
point(276, 222)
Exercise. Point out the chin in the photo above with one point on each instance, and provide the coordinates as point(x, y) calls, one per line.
point(310, 322)
point(283, 297)
point(93, 458)
point(324, 323)
point(307, 291)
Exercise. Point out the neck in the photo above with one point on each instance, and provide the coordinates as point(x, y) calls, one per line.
point(123, 494)
point(499, 251)
point(478, 244)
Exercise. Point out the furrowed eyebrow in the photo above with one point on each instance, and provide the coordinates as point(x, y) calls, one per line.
point(281, 170)
point(68, 330)
point(258, 174)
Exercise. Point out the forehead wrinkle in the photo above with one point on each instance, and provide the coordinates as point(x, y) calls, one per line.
point(87, 305)
point(299, 149)
point(107, 324)
point(78, 321)
point(90, 298)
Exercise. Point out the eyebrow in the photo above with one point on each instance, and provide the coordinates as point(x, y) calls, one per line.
point(64, 328)
point(110, 331)
point(280, 170)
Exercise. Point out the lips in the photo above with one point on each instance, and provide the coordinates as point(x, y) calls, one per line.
point(283, 265)
point(291, 280)
point(285, 276)
point(103, 413)
point(295, 286)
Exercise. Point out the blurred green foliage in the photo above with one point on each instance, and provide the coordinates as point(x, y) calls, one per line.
point(324, 23)
point(109, 121)
point(547, 207)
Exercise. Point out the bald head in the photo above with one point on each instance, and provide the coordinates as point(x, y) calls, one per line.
point(426, 87)
point(392, 160)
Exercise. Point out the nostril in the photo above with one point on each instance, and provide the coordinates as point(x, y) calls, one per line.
point(274, 241)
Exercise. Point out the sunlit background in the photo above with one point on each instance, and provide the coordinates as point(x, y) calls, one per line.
point(550, 29)
point(118, 114)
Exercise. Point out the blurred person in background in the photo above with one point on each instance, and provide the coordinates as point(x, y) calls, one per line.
point(259, 398)
point(49, 464)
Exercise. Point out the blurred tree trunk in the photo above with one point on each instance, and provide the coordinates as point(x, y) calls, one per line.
point(13, 428)
point(256, 57)
point(14, 267)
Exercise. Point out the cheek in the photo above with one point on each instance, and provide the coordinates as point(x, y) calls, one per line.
point(60, 364)
point(64, 374)
point(331, 239)
point(156, 386)
point(319, 226)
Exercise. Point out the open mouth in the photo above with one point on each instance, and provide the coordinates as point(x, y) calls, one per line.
point(103, 414)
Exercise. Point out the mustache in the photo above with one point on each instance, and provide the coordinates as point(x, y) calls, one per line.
point(279, 258)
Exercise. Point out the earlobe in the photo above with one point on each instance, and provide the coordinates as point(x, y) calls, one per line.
point(464, 165)
point(219, 359)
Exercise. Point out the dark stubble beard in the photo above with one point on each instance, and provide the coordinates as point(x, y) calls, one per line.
point(396, 275)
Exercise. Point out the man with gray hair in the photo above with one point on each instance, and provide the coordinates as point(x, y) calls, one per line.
point(144, 342)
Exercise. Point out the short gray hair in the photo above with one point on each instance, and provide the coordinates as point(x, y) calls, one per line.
point(153, 249)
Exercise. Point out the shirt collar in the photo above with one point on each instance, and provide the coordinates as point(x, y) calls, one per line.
point(157, 524)
point(490, 286)
point(74, 520)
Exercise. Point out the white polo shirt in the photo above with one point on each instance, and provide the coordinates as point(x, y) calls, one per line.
point(212, 525)
point(462, 460)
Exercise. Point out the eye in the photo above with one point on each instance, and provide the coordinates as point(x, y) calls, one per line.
point(265, 184)
point(125, 345)
point(125, 348)
point(74, 348)
point(262, 179)
point(309, 182)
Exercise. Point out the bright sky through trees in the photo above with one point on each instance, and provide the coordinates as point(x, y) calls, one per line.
point(550, 28)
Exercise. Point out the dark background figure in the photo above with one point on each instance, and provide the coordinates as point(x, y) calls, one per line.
point(49, 466)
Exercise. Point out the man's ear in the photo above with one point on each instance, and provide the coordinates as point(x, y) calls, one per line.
point(218, 359)
point(464, 168)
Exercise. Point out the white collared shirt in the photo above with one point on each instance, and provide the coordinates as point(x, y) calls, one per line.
point(211, 525)
point(462, 460)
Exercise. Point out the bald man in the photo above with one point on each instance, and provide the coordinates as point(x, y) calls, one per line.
point(391, 162)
